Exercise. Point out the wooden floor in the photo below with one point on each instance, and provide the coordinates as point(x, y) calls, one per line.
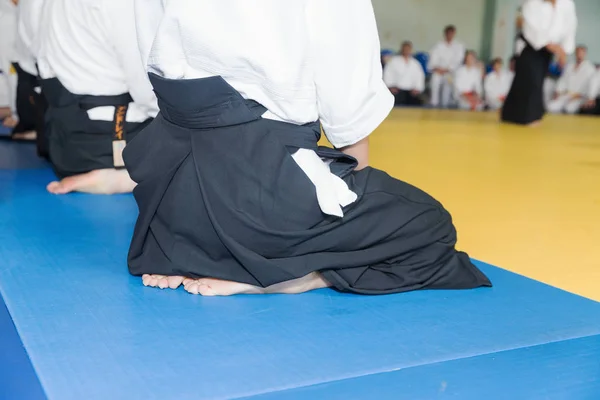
point(525, 199)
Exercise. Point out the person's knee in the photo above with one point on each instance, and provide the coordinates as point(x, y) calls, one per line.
point(573, 107)
point(555, 107)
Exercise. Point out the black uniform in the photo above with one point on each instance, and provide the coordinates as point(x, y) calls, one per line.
point(220, 196)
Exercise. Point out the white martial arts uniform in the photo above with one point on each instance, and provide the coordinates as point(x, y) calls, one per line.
point(549, 88)
point(496, 86)
point(284, 56)
point(448, 56)
point(8, 36)
point(594, 88)
point(544, 24)
point(467, 80)
point(28, 26)
point(572, 87)
point(91, 47)
point(404, 74)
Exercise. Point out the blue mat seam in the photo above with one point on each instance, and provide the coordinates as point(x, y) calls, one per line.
point(250, 396)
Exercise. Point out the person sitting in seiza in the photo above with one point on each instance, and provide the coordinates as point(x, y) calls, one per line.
point(405, 77)
point(98, 93)
point(496, 85)
point(236, 196)
point(573, 85)
point(467, 84)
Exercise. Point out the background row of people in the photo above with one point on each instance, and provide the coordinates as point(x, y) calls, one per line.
point(455, 77)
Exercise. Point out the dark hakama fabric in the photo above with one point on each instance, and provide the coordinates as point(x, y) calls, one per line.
point(406, 98)
point(525, 101)
point(26, 84)
point(220, 196)
point(76, 143)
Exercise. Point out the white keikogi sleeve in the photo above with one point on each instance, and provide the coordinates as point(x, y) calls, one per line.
point(434, 58)
point(458, 58)
point(536, 24)
point(148, 16)
point(418, 76)
point(121, 14)
point(391, 73)
point(353, 100)
point(568, 42)
point(594, 89)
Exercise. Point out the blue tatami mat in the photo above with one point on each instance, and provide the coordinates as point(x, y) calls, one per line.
point(94, 332)
point(18, 379)
point(18, 155)
point(567, 370)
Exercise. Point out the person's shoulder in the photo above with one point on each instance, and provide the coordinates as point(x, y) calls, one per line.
point(394, 60)
point(437, 45)
point(589, 65)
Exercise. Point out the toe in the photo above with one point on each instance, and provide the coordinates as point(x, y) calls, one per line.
point(53, 187)
point(163, 283)
point(192, 288)
point(175, 281)
point(205, 289)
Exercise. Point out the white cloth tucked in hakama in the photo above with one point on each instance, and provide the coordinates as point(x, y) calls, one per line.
point(284, 55)
point(91, 47)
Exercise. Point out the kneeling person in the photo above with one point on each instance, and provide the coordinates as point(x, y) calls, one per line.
point(405, 77)
point(98, 93)
point(235, 195)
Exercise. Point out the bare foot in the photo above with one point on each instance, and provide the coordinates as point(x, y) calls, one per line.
point(534, 124)
point(217, 287)
point(161, 281)
point(10, 122)
point(29, 135)
point(100, 181)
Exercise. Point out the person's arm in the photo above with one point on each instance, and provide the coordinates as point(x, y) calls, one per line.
point(125, 42)
point(434, 59)
point(459, 57)
point(354, 100)
point(568, 42)
point(561, 84)
point(461, 84)
point(419, 76)
point(594, 89)
point(479, 86)
point(490, 91)
point(390, 75)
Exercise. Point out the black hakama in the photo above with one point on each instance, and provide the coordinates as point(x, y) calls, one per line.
point(26, 85)
point(220, 196)
point(76, 143)
point(525, 101)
